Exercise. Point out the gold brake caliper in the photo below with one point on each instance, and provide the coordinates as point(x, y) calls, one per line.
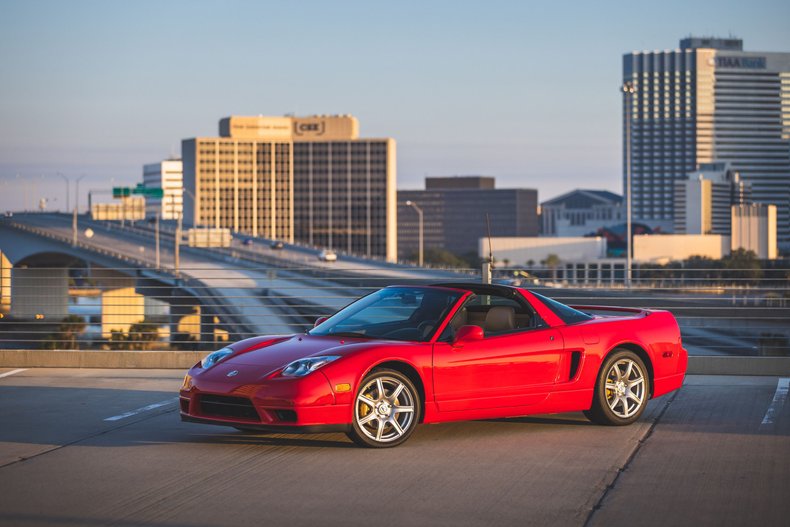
point(364, 409)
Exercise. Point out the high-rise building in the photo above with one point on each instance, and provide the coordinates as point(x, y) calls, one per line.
point(167, 175)
point(708, 101)
point(703, 202)
point(305, 179)
point(454, 214)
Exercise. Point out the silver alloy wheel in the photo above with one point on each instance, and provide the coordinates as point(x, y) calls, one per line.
point(384, 409)
point(625, 388)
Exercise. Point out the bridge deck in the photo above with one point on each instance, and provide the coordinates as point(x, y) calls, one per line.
point(89, 447)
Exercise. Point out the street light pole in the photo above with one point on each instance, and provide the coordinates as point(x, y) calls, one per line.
point(68, 190)
point(77, 196)
point(179, 225)
point(628, 90)
point(157, 240)
point(419, 216)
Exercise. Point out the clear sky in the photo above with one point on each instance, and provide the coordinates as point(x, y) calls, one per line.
point(526, 91)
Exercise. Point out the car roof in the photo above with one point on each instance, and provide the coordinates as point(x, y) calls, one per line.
point(481, 289)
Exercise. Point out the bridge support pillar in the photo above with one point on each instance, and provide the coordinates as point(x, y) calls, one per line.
point(191, 327)
point(121, 305)
point(5, 283)
point(120, 308)
point(39, 292)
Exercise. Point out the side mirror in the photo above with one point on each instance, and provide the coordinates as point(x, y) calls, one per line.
point(319, 321)
point(468, 334)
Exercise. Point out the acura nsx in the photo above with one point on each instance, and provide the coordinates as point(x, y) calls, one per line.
point(405, 355)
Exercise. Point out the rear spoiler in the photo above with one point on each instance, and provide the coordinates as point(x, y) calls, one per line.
point(633, 310)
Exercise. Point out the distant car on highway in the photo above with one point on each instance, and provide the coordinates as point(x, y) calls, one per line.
point(405, 355)
point(277, 245)
point(248, 242)
point(327, 256)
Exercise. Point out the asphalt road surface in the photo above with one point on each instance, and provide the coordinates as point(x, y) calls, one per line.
point(106, 447)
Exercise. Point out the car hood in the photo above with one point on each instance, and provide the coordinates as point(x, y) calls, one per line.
point(267, 354)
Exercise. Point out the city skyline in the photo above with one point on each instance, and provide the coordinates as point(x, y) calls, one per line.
point(102, 90)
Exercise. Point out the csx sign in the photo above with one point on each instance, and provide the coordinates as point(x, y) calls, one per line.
point(315, 128)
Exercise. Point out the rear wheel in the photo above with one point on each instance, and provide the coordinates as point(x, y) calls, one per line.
point(621, 391)
point(386, 410)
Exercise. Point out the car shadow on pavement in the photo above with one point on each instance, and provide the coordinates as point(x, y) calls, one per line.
point(271, 439)
point(571, 419)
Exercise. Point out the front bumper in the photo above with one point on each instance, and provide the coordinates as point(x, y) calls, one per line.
point(305, 404)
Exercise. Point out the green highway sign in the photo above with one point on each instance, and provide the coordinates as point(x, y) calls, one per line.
point(140, 189)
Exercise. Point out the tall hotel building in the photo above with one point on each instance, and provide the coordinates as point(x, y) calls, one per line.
point(708, 101)
point(306, 179)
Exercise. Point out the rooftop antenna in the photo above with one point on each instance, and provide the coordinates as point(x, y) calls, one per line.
point(490, 250)
point(489, 263)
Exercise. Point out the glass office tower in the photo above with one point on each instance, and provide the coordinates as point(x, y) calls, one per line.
point(708, 101)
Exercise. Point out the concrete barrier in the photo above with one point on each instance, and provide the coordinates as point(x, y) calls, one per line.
point(181, 360)
point(728, 365)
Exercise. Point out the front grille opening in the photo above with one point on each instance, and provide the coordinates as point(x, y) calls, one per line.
point(227, 406)
point(288, 416)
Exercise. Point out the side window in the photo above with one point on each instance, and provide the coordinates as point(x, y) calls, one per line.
point(476, 312)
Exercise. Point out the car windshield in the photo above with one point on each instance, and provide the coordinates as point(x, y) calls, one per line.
point(395, 313)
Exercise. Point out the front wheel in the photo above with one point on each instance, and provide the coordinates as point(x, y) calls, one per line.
point(621, 391)
point(386, 410)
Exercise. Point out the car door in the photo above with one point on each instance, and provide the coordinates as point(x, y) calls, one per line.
point(515, 369)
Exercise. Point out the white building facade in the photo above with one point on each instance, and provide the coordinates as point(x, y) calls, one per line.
point(754, 229)
point(167, 175)
point(703, 202)
point(580, 212)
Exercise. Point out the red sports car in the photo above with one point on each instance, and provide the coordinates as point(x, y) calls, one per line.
point(405, 355)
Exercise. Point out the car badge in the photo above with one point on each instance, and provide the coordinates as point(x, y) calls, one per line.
point(233, 373)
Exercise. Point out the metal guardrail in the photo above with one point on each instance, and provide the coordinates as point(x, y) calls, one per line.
point(736, 312)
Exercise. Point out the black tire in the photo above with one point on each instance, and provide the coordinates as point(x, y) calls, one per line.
point(625, 398)
point(387, 419)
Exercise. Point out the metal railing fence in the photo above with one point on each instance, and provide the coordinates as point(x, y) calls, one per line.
point(722, 311)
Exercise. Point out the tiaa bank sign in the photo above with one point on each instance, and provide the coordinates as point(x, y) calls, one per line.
point(749, 63)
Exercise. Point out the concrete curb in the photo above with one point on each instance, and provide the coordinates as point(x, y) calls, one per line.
point(181, 360)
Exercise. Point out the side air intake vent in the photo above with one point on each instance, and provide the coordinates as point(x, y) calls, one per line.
point(576, 358)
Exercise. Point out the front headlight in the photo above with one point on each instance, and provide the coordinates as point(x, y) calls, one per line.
point(214, 357)
point(301, 367)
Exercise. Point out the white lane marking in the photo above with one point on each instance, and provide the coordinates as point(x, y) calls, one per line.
point(12, 372)
point(782, 387)
point(143, 409)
